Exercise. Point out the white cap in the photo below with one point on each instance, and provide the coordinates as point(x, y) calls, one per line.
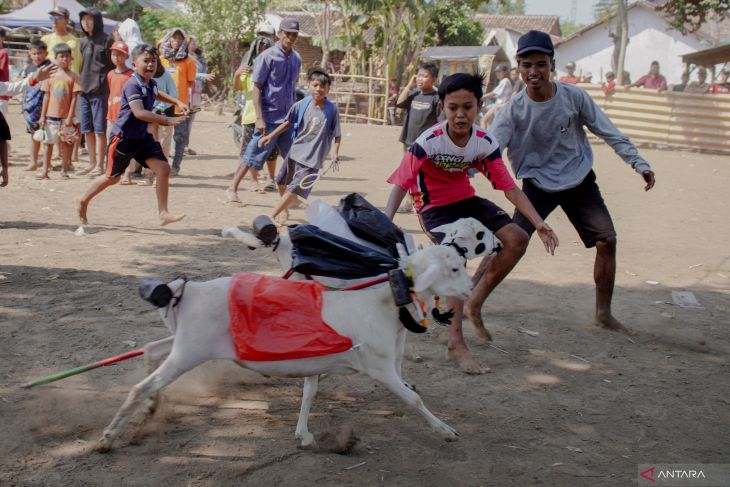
point(265, 27)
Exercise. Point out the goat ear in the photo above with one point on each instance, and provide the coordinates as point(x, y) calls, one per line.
point(426, 279)
point(445, 228)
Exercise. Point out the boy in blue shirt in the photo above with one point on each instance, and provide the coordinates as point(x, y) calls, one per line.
point(130, 138)
point(316, 122)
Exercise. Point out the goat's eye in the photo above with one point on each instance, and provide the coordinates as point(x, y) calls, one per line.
point(455, 270)
point(480, 235)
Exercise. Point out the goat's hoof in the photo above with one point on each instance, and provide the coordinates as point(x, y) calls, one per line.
point(449, 434)
point(103, 446)
point(308, 442)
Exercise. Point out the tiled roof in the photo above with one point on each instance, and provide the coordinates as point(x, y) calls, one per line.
point(521, 23)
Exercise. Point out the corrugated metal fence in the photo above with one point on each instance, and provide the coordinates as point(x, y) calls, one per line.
point(673, 119)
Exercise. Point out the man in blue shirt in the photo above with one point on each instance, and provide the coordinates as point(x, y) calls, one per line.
point(130, 138)
point(275, 75)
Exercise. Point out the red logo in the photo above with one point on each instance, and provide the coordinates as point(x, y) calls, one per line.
point(648, 474)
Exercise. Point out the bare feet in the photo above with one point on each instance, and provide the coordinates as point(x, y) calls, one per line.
point(232, 196)
point(33, 166)
point(475, 316)
point(608, 322)
point(467, 363)
point(81, 211)
point(166, 218)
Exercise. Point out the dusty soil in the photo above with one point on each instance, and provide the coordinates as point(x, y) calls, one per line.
point(574, 405)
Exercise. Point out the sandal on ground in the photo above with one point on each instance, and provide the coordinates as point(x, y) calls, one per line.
point(96, 172)
point(41, 176)
point(125, 182)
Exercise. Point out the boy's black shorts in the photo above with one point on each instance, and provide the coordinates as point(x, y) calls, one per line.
point(121, 151)
point(490, 215)
point(583, 205)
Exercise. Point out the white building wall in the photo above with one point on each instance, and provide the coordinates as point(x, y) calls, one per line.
point(649, 39)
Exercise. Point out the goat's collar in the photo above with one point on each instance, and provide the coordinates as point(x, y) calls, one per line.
point(418, 302)
point(459, 249)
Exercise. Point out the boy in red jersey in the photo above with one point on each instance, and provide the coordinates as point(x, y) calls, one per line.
point(435, 172)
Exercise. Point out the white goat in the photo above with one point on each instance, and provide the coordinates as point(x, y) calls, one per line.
point(200, 325)
point(469, 234)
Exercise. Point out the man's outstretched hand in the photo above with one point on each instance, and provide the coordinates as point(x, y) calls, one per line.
point(649, 178)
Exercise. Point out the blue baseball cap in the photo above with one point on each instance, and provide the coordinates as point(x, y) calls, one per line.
point(535, 40)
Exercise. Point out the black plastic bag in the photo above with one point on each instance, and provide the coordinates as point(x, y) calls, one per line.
point(369, 223)
point(319, 253)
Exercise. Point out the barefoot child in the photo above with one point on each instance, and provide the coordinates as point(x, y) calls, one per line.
point(58, 112)
point(130, 138)
point(543, 129)
point(435, 172)
point(33, 99)
point(316, 122)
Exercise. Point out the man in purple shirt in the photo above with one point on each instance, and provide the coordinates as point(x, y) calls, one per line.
point(653, 80)
point(275, 75)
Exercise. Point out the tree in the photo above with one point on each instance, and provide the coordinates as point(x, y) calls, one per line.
point(570, 28)
point(688, 15)
point(452, 23)
point(221, 25)
point(499, 6)
point(616, 11)
point(155, 23)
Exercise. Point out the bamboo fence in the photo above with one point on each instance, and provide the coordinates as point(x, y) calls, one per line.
point(359, 97)
point(680, 120)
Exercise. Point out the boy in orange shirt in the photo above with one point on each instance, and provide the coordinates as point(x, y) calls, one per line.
point(116, 78)
point(175, 59)
point(59, 108)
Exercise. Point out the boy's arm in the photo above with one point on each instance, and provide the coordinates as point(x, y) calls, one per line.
point(4, 160)
point(258, 107)
point(263, 141)
point(164, 97)
point(72, 109)
point(405, 93)
point(522, 203)
point(336, 149)
point(44, 109)
point(598, 123)
point(140, 113)
point(394, 200)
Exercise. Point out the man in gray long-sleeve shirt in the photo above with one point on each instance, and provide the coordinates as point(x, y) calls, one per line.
point(548, 149)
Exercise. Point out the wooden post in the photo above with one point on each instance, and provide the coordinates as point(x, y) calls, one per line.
point(386, 85)
point(370, 89)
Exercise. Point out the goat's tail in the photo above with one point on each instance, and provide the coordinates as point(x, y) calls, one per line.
point(249, 239)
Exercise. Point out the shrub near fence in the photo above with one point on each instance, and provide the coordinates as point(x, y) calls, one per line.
point(679, 120)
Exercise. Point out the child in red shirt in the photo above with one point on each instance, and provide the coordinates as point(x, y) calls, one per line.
point(116, 78)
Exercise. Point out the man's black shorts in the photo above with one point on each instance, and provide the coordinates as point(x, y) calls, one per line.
point(121, 151)
point(491, 215)
point(583, 205)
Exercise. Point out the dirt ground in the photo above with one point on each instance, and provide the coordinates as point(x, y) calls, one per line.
point(572, 405)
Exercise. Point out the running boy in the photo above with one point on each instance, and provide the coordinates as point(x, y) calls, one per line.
point(130, 138)
point(59, 109)
point(549, 151)
point(435, 172)
point(316, 122)
point(33, 99)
